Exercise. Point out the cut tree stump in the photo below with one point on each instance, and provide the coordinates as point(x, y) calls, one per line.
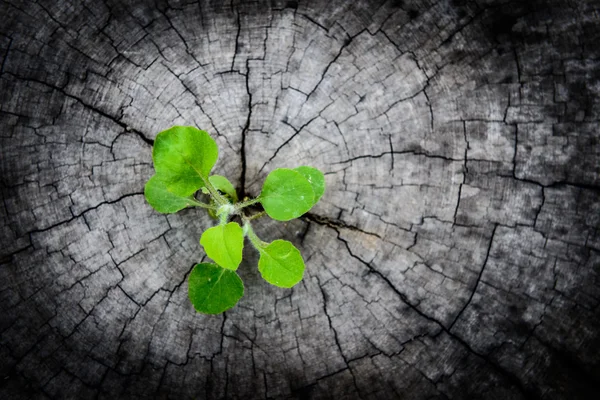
point(455, 254)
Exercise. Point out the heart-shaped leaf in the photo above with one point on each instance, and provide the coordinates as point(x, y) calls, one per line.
point(224, 244)
point(281, 264)
point(286, 194)
point(213, 289)
point(183, 158)
point(221, 183)
point(316, 180)
point(161, 199)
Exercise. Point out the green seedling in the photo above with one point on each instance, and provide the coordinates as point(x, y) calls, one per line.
point(183, 159)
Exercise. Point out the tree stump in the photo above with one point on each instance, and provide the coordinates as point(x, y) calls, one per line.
point(455, 254)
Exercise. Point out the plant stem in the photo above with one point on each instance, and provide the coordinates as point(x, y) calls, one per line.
point(247, 203)
point(255, 240)
point(223, 213)
point(197, 203)
point(214, 193)
point(223, 218)
point(256, 216)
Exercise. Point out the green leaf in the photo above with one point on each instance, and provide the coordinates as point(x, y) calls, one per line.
point(224, 244)
point(161, 199)
point(213, 289)
point(183, 157)
point(286, 194)
point(316, 180)
point(281, 264)
point(223, 184)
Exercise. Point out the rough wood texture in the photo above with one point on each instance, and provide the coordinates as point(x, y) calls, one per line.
point(455, 254)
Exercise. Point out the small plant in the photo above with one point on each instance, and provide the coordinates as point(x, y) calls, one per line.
point(183, 158)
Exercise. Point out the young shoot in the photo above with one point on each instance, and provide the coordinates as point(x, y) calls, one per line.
point(183, 159)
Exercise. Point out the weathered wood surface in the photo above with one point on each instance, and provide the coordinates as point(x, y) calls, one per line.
point(455, 254)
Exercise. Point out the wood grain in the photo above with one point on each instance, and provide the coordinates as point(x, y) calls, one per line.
point(455, 254)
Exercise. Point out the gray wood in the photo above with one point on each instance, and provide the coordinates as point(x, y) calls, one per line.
point(455, 254)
